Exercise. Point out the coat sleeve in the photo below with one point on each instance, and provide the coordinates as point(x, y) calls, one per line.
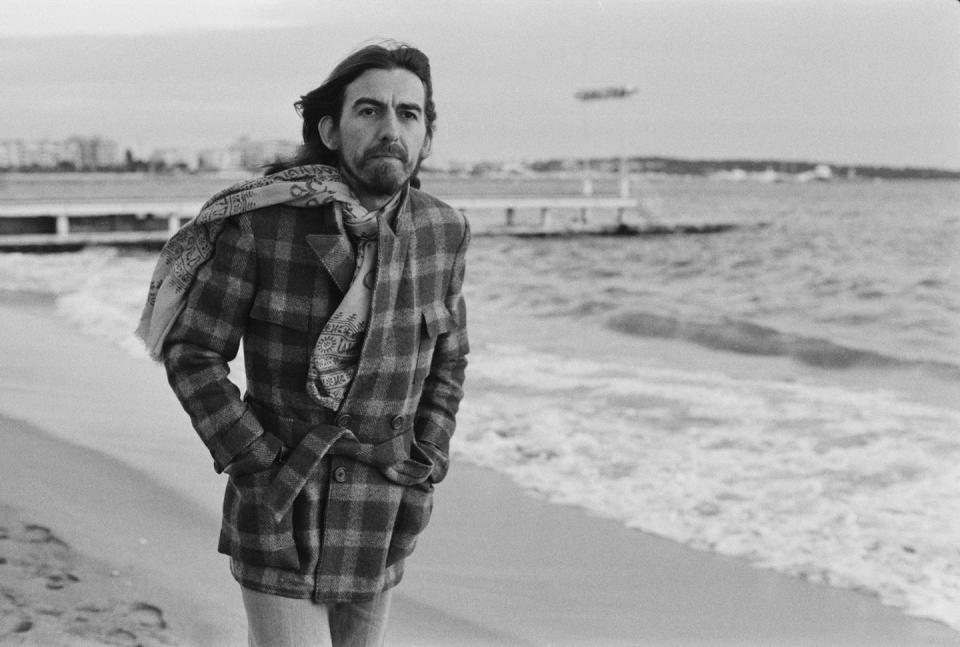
point(443, 388)
point(205, 337)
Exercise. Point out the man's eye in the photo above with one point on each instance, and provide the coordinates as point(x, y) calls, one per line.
point(409, 114)
point(367, 112)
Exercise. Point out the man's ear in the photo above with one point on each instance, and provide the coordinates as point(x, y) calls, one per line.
point(427, 147)
point(329, 133)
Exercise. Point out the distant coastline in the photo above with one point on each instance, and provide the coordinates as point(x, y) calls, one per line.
point(748, 168)
point(770, 170)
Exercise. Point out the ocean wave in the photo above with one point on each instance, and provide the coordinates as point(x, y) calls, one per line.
point(748, 338)
point(851, 488)
point(855, 489)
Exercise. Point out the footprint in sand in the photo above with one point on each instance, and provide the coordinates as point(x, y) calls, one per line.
point(23, 627)
point(40, 596)
point(36, 534)
point(13, 617)
point(13, 624)
point(122, 635)
point(49, 555)
point(138, 623)
point(147, 615)
point(9, 599)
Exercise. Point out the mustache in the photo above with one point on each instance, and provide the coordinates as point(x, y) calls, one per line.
point(393, 149)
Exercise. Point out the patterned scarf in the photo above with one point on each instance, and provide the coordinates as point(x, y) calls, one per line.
point(193, 245)
point(337, 352)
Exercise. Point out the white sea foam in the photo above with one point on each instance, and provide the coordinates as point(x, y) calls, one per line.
point(100, 290)
point(854, 489)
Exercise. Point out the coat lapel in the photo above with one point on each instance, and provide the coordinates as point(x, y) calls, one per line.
point(336, 255)
point(392, 259)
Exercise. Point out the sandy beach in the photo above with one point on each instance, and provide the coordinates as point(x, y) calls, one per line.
point(109, 512)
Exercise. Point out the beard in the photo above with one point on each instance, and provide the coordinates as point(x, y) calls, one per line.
point(380, 171)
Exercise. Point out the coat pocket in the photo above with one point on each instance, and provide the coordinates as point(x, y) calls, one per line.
point(250, 532)
point(413, 470)
point(413, 515)
point(437, 320)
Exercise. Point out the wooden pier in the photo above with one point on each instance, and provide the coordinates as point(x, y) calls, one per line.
point(77, 223)
point(53, 226)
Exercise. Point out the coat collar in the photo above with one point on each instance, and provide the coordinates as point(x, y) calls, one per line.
point(336, 254)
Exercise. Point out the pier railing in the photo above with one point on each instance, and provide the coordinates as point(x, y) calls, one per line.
point(76, 223)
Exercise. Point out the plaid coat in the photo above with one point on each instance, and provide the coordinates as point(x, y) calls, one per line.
point(334, 517)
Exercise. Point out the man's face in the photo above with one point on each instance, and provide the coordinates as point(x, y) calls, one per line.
point(381, 137)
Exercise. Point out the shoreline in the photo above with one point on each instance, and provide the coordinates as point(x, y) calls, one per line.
point(133, 540)
point(561, 577)
point(495, 567)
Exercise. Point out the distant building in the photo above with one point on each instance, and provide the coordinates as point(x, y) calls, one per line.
point(47, 154)
point(93, 153)
point(823, 172)
point(219, 159)
point(171, 158)
point(254, 154)
point(245, 154)
point(11, 153)
point(75, 153)
point(820, 173)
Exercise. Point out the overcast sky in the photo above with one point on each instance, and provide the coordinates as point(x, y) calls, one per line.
point(869, 81)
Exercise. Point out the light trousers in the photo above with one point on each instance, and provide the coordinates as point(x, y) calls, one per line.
point(276, 621)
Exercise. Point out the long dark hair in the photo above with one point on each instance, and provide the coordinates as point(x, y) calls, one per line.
point(327, 100)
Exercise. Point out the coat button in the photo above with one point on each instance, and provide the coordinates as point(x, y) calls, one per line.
point(340, 475)
point(396, 423)
point(344, 420)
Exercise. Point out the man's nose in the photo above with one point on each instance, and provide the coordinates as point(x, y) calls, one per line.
point(390, 127)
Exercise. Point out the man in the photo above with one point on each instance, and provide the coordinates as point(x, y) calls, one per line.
point(343, 282)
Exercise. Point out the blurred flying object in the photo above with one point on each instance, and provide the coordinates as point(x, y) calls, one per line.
point(611, 92)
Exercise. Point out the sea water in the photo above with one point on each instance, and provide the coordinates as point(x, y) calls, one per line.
point(763, 392)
